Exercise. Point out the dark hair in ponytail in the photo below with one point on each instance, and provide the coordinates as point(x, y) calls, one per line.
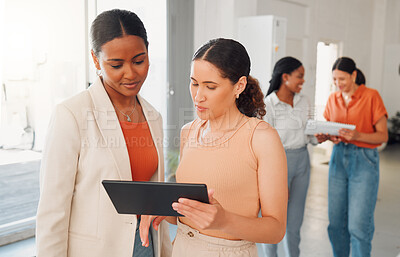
point(360, 79)
point(286, 65)
point(345, 64)
point(233, 62)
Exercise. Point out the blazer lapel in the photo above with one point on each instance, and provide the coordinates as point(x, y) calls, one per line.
point(110, 129)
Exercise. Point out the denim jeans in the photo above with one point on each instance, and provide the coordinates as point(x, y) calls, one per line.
point(298, 163)
point(352, 194)
point(138, 249)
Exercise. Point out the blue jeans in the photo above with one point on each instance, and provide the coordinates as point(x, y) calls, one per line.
point(352, 194)
point(298, 162)
point(138, 249)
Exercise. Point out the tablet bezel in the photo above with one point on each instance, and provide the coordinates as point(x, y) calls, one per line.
point(151, 198)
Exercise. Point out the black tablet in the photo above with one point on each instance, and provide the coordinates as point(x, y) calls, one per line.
point(151, 198)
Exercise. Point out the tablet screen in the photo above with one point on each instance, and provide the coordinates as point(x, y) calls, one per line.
point(151, 198)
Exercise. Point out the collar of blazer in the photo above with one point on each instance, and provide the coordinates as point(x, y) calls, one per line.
point(107, 121)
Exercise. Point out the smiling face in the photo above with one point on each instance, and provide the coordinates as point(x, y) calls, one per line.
point(294, 80)
point(344, 81)
point(212, 94)
point(124, 64)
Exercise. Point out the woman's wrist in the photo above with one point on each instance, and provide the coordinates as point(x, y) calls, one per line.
point(227, 221)
point(172, 220)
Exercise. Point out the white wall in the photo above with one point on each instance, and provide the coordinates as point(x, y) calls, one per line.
point(377, 44)
point(340, 21)
point(46, 57)
point(2, 31)
point(214, 19)
point(362, 28)
point(390, 76)
point(298, 42)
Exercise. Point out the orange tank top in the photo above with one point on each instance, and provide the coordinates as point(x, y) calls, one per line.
point(141, 149)
point(229, 167)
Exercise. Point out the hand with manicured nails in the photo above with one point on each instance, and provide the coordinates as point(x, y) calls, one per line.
point(205, 216)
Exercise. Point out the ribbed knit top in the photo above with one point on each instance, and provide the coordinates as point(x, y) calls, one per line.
point(141, 149)
point(228, 166)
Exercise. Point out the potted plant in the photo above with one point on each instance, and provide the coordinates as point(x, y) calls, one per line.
point(394, 129)
point(172, 161)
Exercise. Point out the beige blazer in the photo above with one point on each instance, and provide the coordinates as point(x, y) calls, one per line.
point(84, 146)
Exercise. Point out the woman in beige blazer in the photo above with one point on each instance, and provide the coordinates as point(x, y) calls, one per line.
point(85, 145)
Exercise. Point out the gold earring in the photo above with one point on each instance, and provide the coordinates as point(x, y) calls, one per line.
point(237, 96)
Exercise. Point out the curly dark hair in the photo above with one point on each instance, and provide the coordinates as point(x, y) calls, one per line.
point(251, 102)
point(233, 62)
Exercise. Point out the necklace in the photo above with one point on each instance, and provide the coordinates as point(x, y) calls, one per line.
point(203, 139)
point(203, 133)
point(128, 116)
point(346, 98)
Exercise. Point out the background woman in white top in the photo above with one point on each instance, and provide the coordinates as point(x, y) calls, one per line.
point(288, 111)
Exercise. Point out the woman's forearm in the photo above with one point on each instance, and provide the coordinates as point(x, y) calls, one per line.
point(379, 136)
point(260, 230)
point(372, 138)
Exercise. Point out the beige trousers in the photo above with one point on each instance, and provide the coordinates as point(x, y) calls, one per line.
point(190, 243)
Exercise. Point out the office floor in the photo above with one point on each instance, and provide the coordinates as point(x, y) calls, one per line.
point(315, 242)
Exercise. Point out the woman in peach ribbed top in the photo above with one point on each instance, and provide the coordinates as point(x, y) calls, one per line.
point(230, 169)
point(236, 154)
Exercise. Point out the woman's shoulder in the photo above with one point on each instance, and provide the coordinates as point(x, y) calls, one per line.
point(77, 102)
point(334, 94)
point(190, 125)
point(259, 126)
point(302, 96)
point(264, 137)
point(72, 110)
point(271, 98)
point(371, 92)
